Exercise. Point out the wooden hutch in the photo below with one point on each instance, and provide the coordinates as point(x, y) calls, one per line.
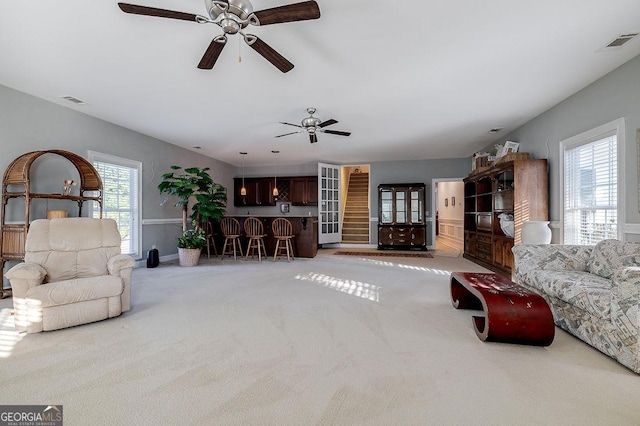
point(519, 188)
point(401, 216)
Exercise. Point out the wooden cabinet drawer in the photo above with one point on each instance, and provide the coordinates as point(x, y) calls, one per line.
point(403, 236)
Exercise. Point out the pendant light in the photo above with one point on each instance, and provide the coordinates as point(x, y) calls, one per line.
point(243, 190)
point(275, 176)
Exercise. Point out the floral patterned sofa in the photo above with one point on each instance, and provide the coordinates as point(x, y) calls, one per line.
point(593, 292)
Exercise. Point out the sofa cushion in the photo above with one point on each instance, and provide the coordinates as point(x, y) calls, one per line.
point(609, 255)
point(76, 290)
point(584, 290)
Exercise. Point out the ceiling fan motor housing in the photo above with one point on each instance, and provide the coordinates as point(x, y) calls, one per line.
point(240, 8)
point(310, 122)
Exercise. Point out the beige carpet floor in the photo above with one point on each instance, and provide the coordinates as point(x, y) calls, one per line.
point(334, 340)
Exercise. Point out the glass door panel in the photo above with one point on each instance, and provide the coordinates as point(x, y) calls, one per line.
point(416, 207)
point(328, 208)
point(401, 207)
point(386, 206)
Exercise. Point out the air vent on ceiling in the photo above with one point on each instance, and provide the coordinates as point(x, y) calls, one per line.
point(74, 100)
point(620, 41)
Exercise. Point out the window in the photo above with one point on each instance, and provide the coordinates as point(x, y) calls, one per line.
point(121, 190)
point(592, 185)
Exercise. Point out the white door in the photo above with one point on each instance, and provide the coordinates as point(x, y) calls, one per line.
point(329, 204)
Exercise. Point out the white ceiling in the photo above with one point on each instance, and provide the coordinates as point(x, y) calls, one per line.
point(410, 80)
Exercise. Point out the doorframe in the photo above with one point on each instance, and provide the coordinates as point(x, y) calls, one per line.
point(343, 200)
point(434, 206)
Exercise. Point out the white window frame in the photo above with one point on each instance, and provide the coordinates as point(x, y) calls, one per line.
point(137, 217)
point(617, 128)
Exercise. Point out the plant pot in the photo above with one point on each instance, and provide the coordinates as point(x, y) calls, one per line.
point(188, 256)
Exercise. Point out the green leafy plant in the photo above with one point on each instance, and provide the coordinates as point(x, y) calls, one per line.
point(192, 239)
point(210, 198)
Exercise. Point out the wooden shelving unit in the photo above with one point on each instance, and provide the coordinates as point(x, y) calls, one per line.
point(518, 188)
point(16, 184)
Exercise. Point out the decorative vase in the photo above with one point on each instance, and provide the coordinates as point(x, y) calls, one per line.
point(188, 256)
point(535, 232)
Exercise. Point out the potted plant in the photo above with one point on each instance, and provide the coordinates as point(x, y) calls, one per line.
point(210, 198)
point(190, 246)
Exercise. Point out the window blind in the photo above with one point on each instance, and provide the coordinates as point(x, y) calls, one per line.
point(120, 182)
point(591, 191)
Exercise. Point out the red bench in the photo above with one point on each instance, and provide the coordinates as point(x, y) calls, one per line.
point(512, 314)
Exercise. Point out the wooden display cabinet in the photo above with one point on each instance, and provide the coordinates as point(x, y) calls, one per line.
point(401, 216)
point(518, 188)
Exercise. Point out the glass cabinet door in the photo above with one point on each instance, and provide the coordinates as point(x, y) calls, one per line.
point(416, 206)
point(401, 207)
point(386, 206)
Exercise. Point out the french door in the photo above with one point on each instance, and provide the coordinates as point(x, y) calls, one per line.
point(329, 204)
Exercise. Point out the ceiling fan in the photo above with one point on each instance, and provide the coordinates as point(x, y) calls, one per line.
point(233, 16)
point(313, 125)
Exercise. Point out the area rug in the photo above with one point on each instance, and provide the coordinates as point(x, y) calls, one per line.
point(381, 253)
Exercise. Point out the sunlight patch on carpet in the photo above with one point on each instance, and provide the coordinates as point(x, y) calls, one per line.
point(381, 254)
point(9, 337)
point(352, 287)
point(403, 266)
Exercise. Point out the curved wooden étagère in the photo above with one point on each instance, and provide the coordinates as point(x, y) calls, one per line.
point(16, 183)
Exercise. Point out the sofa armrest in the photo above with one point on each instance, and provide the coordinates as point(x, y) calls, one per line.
point(625, 298)
point(24, 276)
point(553, 257)
point(119, 263)
point(122, 265)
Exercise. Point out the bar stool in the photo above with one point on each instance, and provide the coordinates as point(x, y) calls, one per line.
point(231, 231)
point(283, 233)
point(207, 227)
point(254, 230)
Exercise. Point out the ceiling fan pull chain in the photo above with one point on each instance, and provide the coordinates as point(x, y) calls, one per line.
point(239, 51)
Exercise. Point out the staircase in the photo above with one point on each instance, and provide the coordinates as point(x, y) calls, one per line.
point(355, 225)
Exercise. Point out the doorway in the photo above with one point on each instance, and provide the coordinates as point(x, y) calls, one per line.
point(355, 205)
point(448, 202)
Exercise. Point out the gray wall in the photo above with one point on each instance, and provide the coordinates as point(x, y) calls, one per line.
point(29, 124)
point(614, 96)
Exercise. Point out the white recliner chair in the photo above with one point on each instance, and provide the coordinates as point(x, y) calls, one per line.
point(73, 273)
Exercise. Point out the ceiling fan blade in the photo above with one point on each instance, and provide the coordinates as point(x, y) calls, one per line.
point(287, 134)
point(313, 138)
point(289, 124)
point(212, 53)
point(292, 12)
point(327, 123)
point(152, 11)
point(268, 53)
point(336, 132)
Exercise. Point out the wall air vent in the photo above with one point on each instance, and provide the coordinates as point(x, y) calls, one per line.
point(74, 100)
point(619, 41)
point(495, 130)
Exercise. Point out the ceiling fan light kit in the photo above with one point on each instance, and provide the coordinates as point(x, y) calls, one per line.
point(312, 125)
point(232, 16)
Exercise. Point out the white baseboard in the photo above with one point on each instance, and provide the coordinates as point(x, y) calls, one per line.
point(142, 263)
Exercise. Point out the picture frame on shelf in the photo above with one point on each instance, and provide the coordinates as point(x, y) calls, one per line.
point(509, 147)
